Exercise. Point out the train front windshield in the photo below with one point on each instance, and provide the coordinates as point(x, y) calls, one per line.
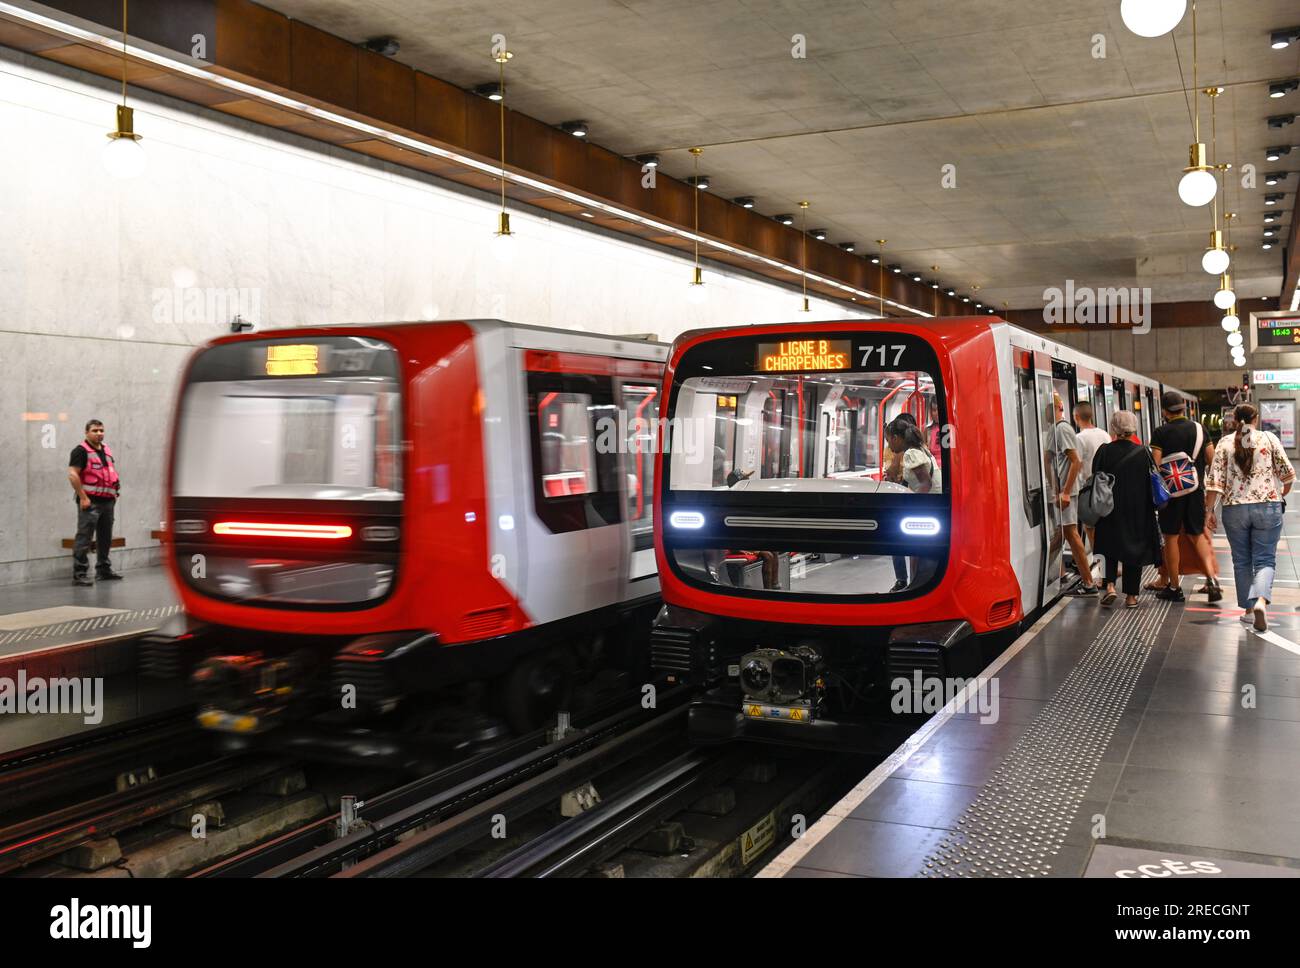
point(808, 467)
point(287, 471)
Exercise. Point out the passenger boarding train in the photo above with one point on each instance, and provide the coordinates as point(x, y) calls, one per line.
point(405, 509)
point(800, 577)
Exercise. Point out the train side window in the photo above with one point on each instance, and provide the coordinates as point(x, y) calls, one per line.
point(640, 406)
point(575, 469)
point(568, 444)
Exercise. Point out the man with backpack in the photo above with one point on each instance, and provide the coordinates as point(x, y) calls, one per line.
point(1068, 464)
point(1181, 453)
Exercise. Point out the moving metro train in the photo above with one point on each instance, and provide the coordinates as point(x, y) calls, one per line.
point(798, 583)
point(362, 514)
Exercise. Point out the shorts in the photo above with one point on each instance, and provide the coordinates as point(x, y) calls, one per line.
point(1070, 513)
point(1185, 514)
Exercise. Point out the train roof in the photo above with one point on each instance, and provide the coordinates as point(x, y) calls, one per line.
point(534, 336)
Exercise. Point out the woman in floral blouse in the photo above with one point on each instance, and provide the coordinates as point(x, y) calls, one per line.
point(1252, 475)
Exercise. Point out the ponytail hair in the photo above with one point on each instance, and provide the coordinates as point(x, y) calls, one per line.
point(1243, 451)
point(908, 430)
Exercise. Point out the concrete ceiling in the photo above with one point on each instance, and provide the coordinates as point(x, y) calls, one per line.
point(1066, 164)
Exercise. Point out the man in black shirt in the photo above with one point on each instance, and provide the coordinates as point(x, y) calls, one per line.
point(93, 476)
point(1186, 514)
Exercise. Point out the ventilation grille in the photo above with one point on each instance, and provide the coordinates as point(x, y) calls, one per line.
point(1001, 612)
point(370, 680)
point(681, 653)
point(671, 650)
point(163, 657)
point(485, 622)
point(903, 660)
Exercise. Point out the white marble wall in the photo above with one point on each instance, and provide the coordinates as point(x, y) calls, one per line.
point(105, 286)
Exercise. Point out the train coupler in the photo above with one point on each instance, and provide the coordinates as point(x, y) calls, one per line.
point(245, 693)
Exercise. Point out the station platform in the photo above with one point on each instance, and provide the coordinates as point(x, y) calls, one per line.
point(41, 619)
point(1161, 741)
point(56, 629)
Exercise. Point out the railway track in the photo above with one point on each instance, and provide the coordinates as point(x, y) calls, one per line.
point(36, 776)
point(518, 776)
point(48, 835)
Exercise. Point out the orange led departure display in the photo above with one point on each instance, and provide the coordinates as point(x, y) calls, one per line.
point(804, 354)
point(293, 360)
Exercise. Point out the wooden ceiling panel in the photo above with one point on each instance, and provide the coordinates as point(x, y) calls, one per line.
point(321, 66)
point(385, 89)
point(439, 110)
point(101, 62)
point(530, 145)
point(24, 38)
point(252, 40)
point(261, 112)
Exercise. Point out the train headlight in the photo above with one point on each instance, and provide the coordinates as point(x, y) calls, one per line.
point(919, 525)
point(686, 519)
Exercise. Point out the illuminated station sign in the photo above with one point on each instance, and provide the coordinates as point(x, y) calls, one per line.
point(804, 354)
point(1278, 331)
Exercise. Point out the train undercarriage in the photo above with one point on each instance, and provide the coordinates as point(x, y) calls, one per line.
point(248, 685)
point(830, 687)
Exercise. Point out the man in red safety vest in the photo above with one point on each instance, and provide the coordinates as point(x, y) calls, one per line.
point(93, 475)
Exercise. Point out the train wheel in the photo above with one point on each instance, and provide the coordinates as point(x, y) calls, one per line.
point(537, 688)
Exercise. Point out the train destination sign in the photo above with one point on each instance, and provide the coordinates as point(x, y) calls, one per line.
point(292, 360)
point(1278, 331)
point(805, 354)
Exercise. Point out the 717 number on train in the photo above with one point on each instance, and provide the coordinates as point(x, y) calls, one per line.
point(869, 351)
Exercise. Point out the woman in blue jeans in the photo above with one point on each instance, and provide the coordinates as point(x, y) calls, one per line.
point(1251, 473)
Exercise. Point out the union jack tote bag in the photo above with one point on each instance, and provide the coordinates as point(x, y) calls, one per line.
point(1178, 470)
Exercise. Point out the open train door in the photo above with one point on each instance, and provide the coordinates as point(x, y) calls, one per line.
point(1036, 418)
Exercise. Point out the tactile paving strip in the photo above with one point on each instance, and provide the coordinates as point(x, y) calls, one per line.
point(1020, 819)
point(87, 625)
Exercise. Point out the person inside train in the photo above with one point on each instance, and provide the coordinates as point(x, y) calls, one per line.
point(933, 435)
point(1170, 442)
point(1251, 474)
point(1065, 447)
point(915, 468)
point(1128, 537)
point(771, 564)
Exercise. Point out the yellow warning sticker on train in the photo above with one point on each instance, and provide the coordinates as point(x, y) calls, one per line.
point(757, 839)
point(794, 714)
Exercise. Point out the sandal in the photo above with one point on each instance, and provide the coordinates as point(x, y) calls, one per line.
point(1109, 598)
point(1133, 604)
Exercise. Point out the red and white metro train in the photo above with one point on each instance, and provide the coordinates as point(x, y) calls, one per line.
point(797, 581)
point(375, 512)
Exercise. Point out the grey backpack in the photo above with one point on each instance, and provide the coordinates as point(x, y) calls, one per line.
point(1096, 498)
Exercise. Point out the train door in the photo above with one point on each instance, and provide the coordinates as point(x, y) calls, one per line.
point(1049, 387)
point(638, 403)
point(576, 541)
point(1035, 545)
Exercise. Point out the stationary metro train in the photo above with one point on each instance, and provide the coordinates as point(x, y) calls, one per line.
point(798, 582)
point(363, 514)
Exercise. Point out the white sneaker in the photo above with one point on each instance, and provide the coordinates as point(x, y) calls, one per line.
point(1261, 619)
point(1247, 617)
